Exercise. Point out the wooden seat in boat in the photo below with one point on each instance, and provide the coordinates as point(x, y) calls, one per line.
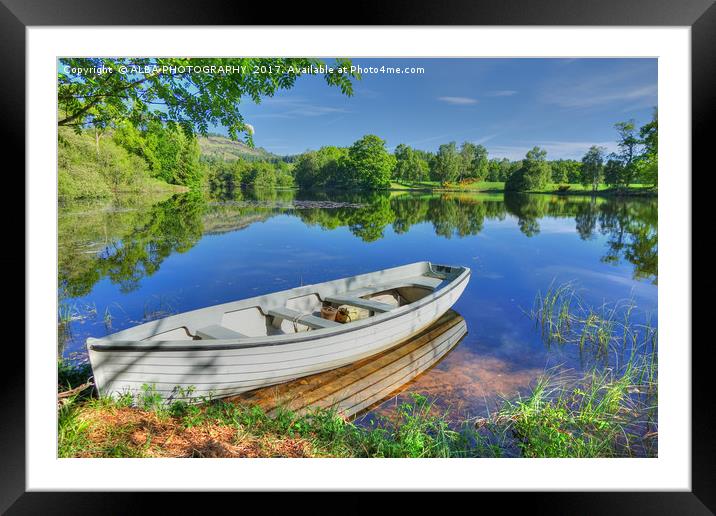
point(368, 304)
point(302, 318)
point(424, 281)
point(216, 331)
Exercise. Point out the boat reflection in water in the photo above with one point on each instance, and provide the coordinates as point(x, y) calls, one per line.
point(354, 388)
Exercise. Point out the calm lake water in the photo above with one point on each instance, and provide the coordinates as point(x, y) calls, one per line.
point(128, 261)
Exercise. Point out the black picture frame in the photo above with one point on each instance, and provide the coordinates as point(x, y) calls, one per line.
point(700, 15)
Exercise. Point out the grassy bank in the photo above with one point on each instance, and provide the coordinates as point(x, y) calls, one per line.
point(608, 411)
point(97, 169)
point(595, 416)
point(499, 187)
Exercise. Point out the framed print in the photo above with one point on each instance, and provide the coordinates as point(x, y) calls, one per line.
point(420, 252)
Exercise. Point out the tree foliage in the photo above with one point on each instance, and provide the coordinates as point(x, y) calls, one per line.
point(94, 169)
point(593, 167)
point(321, 168)
point(473, 162)
point(565, 171)
point(629, 149)
point(499, 169)
point(648, 162)
point(447, 162)
point(225, 178)
point(409, 164)
point(364, 165)
point(186, 92)
point(368, 164)
point(534, 174)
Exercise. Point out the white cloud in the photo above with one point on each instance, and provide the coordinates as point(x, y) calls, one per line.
point(429, 139)
point(484, 139)
point(312, 110)
point(458, 101)
point(555, 149)
point(296, 107)
point(633, 84)
point(645, 94)
point(501, 93)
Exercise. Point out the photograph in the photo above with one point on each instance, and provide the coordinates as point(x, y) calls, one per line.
point(417, 255)
point(357, 257)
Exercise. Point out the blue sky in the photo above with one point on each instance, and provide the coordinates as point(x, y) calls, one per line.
point(508, 105)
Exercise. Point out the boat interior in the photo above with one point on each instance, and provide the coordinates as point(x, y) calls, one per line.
point(307, 312)
point(302, 309)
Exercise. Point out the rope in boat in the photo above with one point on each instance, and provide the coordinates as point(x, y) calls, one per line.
point(297, 319)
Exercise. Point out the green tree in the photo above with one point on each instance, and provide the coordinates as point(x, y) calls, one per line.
point(261, 175)
point(284, 175)
point(170, 89)
point(648, 162)
point(172, 155)
point(473, 162)
point(446, 166)
point(322, 168)
point(593, 167)
point(629, 148)
point(368, 164)
point(223, 177)
point(515, 166)
point(332, 163)
point(409, 164)
point(565, 171)
point(574, 171)
point(308, 170)
point(402, 156)
point(188, 172)
point(534, 174)
point(613, 172)
point(498, 169)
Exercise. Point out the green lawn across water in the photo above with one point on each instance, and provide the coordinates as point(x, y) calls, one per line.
point(498, 186)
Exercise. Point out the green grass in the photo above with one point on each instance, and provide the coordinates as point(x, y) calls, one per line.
point(479, 186)
point(598, 416)
point(496, 186)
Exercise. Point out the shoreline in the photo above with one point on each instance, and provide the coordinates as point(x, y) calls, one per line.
point(611, 192)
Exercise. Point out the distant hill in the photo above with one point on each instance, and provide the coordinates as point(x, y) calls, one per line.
point(220, 147)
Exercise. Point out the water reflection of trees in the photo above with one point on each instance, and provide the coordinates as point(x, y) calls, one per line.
point(630, 225)
point(368, 221)
point(631, 230)
point(128, 241)
point(124, 243)
point(449, 215)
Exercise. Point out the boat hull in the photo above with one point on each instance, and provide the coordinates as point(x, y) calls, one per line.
point(222, 369)
point(359, 386)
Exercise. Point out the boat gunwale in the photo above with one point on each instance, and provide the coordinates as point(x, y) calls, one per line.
point(276, 340)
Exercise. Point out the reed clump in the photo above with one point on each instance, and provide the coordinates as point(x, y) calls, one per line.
point(608, 411)
point(607, 331)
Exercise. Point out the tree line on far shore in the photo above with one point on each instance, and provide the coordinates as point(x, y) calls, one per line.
point(94, 163)
point(368, 164)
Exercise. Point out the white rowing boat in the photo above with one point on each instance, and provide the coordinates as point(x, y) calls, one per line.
point(235, 347)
